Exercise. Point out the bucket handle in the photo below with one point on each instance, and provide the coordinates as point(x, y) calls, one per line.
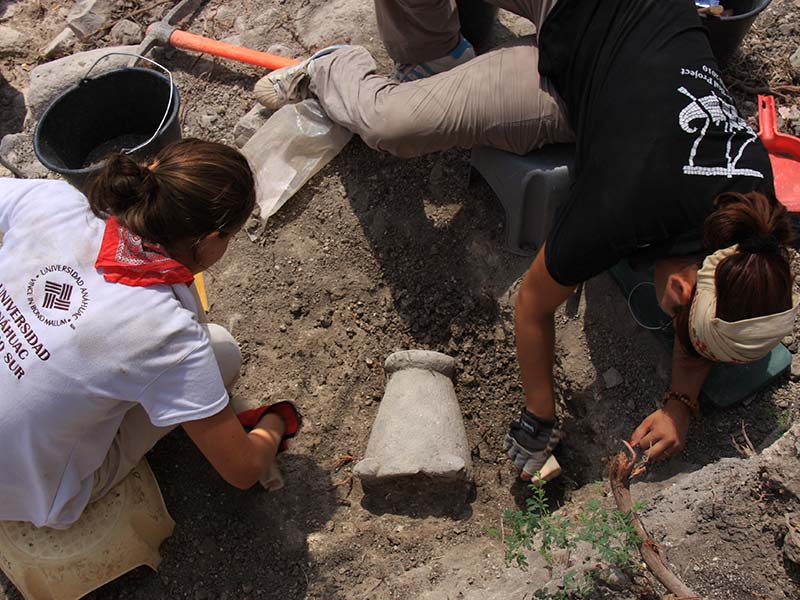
point(169, 100)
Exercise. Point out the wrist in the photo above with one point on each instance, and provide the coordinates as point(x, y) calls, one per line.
point(272, 423)
point(677, 404)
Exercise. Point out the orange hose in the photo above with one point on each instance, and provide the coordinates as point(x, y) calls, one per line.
point(198, 43)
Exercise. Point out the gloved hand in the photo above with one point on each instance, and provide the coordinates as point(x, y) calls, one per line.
point(292, 419)
point(530, 442)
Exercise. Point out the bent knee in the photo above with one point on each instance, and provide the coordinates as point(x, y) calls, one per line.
point(398, 135)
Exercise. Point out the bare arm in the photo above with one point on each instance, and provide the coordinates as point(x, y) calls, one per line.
point(240, 458)
point(538, 299)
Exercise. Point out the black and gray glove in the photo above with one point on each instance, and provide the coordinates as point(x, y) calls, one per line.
point(531, 441)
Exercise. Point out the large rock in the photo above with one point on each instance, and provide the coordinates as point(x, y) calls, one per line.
point(87, 16)
point(52, 78)
point(12, 41)
point(418, 443)
point(780, 463)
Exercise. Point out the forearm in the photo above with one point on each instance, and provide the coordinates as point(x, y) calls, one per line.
point(535, 334)
point(240, 458)
point(688, 372)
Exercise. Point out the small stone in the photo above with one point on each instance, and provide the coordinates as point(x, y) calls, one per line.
point(297, 310)
point(280, 50)
point(207, 546)
point(60, 44)
point(612, 378)
point(795, 368)
point(794, 60)
point(249, 124)
point(127, 32)
point(225, 15)
point(12, 41)
point(240, 25)
point(202, 594)
point(208, 120)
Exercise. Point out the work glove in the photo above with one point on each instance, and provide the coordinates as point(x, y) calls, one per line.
point(292, 419)
point(530, 442)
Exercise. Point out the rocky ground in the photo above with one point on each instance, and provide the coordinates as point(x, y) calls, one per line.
point(378, 254)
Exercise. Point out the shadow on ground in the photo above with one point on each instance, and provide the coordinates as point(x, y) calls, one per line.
point(12, 108)
point(438, 240)
point(222, 532)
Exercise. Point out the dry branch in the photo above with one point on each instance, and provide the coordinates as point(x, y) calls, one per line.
point(621, 468)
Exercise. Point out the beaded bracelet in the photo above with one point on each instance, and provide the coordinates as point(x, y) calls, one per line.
point(692, 405)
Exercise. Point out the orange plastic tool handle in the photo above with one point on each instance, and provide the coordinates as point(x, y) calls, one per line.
point(198, 43)
point(766, 118)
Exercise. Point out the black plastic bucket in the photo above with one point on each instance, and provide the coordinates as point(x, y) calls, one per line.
point(726, 33)
point(115, 111)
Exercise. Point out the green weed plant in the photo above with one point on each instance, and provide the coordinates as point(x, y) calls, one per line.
point(610, 533)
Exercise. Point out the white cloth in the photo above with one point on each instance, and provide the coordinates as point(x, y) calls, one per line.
point(733, 341)
point(78, 352)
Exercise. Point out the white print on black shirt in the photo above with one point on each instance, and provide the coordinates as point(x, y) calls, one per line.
point(712, 110)
point(57, 296)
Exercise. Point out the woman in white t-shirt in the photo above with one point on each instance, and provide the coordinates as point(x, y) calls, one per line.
point(103, 347)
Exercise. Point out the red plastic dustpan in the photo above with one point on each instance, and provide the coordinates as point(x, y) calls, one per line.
point(784, 154)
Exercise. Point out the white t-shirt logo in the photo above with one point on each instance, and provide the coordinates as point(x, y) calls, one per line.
point(57, 295)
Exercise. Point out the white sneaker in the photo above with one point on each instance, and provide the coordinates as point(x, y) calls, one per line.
point(462, 53)
point(286, 85)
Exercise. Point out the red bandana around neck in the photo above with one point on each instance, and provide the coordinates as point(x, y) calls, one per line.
point(126, 258)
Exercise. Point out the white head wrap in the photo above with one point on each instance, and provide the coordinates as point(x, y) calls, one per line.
point(737, 341)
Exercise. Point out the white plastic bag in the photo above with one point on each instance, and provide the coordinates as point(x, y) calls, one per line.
point(292, 146)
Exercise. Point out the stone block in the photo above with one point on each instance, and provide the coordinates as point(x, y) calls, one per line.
point(418, 443)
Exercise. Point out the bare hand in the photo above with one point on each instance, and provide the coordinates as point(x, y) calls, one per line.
point(663, 433)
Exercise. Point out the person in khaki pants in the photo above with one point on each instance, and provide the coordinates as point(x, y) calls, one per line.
point(667, 174)
point(496, 99)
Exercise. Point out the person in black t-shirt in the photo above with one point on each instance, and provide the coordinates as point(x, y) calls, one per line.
point(666, 170)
